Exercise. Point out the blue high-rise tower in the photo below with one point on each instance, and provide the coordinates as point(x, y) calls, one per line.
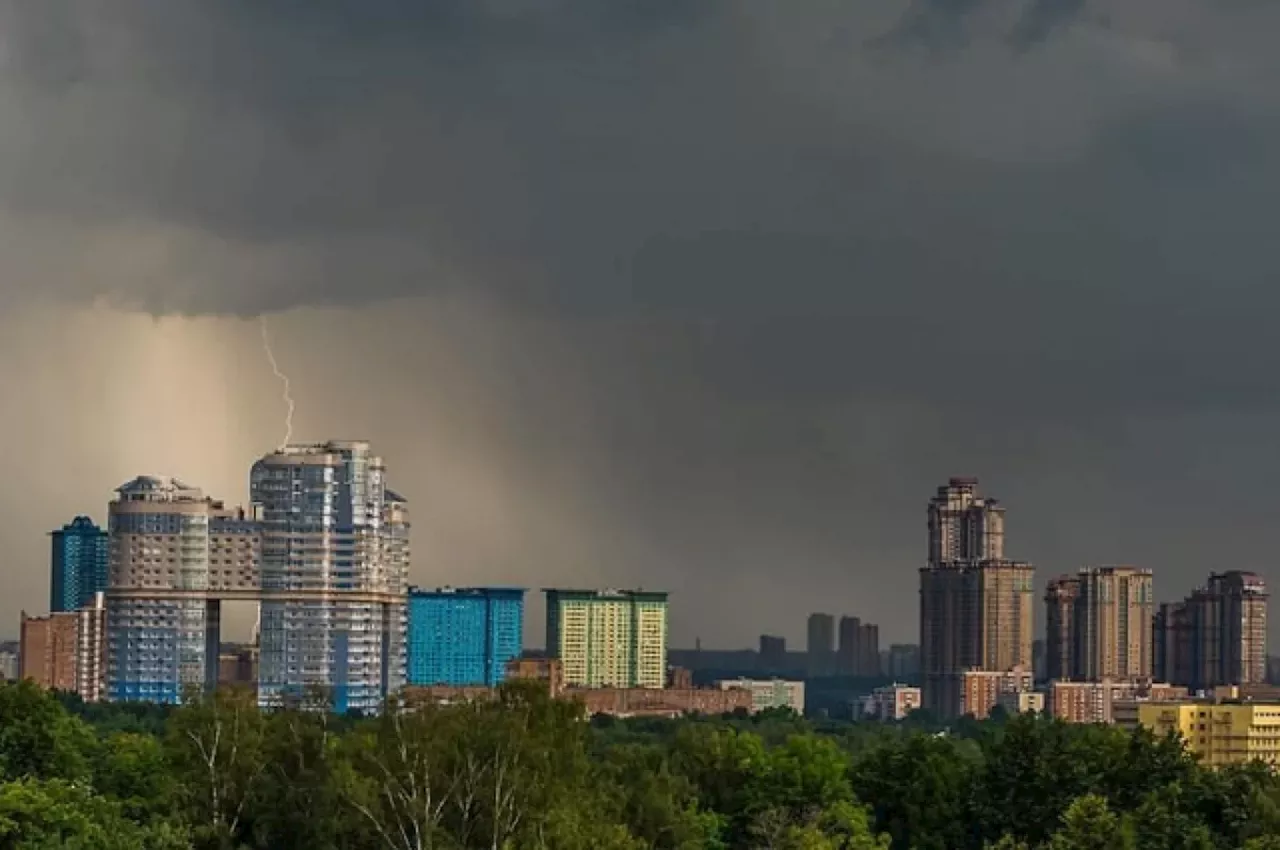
point(78, 564)
point(464, 636)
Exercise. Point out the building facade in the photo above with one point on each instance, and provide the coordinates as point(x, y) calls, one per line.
point(334, 573)
point(1100, 625)
point(464, 636)
point(1216, 636)
point(608, 638)
point(78, 564)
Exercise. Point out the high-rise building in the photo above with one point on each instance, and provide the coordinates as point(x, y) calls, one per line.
point(324, 552)
point(963, 526)
point(1217, 636)
point(608, 638)
point(772, 653)
point(1100, 624)
point(821, 646)
point(173, 551)
point(334, 570)
point(904, 662)
point(868, 653)
point(1060, 631)
point(850, 651)
point(859, 652)
point(64, 651)
point(976, 611)
point(464, 636)
point(78, 564)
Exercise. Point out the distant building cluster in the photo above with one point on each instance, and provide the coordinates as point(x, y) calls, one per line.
point(324, 551)
point(857, 652)
point(1109, 654)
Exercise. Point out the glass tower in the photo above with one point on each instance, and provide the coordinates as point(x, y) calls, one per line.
point(334, 569)
point(464, 636)
point(78, 564)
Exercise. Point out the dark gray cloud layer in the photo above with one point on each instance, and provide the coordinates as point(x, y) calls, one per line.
point(1039, 174)
point(776, 238)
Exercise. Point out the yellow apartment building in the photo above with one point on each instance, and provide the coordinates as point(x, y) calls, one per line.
point(608, 638)
point(1219, 733)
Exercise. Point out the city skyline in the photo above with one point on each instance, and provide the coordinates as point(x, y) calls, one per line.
point(942, 504)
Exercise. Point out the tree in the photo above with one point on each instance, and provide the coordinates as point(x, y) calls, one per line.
point(298, 801)
point(396, 778)
point(1036, 767)
point(918, 788)
point(38, 739)
point(133, 770)
point(215, 748)
point(1089, 824)
point(61, 815)
point(658, 805)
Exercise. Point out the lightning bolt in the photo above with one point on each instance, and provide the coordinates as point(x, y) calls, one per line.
point(283, 378)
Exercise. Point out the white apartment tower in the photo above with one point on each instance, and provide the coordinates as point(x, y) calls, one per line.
point(334, 566)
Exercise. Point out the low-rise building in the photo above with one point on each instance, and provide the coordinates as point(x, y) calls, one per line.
point(769, 693)
point(1021, 702)
point(1219, 734)
point(980, 690)
point(1099, 702)
point(673, 701)
point(891, 702)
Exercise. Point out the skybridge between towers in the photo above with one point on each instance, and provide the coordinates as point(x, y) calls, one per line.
point(324, 552)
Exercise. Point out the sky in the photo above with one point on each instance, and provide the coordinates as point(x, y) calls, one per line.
point(699, 295)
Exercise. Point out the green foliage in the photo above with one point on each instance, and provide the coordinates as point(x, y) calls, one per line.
point(525, 772)
point(1089, 824)
point(38, 739)
point(44, 815)
point(919, 788)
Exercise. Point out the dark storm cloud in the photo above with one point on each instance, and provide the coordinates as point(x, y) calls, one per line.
point(1087, 186)
point(711, 287)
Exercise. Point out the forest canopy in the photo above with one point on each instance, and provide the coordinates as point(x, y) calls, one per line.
point(525, 772)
